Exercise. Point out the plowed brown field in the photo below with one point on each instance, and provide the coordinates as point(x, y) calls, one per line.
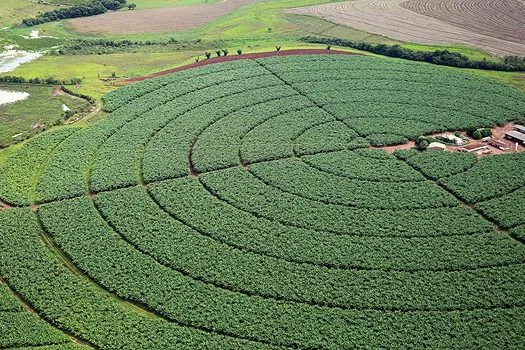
point(158, 20)
point(496, 26)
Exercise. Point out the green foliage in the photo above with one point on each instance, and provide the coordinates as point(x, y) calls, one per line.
point(490, 178)
point(506, 210)
point(438, 165)
point(22, 169)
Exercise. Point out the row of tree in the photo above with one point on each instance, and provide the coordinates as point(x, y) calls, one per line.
point(96, 7)
point(44, 81)
point(441, 57)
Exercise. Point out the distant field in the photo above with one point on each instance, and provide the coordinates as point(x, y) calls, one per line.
point(240, 206)
point(41, 109)
point(12, 11)
point(491, 25)
point(157, 20)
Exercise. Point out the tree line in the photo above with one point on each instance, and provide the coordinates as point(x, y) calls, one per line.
point(441, 57)
point(95, 7)
point(43, 81)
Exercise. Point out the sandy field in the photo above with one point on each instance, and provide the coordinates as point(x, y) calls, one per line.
point(157, 20)
point(496, 26)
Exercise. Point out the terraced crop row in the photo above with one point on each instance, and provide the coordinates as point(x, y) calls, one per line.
point(238, 206)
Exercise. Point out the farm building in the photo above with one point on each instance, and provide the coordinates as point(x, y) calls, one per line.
point(520, 128)
point(437, 146)
point(515, 136)
point(475, 147)
point(452, 138)
point(500, 145)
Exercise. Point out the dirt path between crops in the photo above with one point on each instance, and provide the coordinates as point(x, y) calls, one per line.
point(157, 20)
point(496, 26)
point(251, 56)
point(4, 205)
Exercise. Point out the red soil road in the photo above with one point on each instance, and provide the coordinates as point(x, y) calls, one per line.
point(157, 20)
point(251, 56)
point(496, 26)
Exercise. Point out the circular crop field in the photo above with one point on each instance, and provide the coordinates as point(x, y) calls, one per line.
point(246, 205)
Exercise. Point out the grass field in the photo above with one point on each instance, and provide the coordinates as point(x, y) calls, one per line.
point(234, 206)
point(39, 111)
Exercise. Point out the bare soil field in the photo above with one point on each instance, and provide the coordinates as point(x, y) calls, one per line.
point(157, 20)
point(496, 26)
point(251, 56)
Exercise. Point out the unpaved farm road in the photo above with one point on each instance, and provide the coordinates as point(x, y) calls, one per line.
point(496, 26)
point(157, 20)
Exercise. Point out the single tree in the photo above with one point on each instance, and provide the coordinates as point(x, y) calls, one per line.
point(218, 53)
point(197, 59)
point(278, 48)
point(225, 52)
point(132, 6)
point(239, 52)
point(329, 47)
point(423, 145)
point(208, 55)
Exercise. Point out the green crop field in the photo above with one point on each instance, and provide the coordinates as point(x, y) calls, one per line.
point(241, 205)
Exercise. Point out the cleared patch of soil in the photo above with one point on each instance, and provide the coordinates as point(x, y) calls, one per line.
point(157, 20)
point(496, 26)
point(251, 56)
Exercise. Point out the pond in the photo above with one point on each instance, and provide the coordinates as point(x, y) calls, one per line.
point(10, 59)
point(12, 96)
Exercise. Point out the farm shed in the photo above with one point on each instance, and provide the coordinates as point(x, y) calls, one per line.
point(437, 146)
point(519, 128)
point(475, 147)
point(500, 145)
point(515, 136)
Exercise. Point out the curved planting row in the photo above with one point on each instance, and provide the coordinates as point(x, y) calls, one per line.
point(239, 206)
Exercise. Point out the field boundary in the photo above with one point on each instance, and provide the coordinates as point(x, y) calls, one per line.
point(250, 56)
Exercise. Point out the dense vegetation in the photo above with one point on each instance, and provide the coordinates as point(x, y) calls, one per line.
point(92, 8)
point(441, 57)
point(239, 206)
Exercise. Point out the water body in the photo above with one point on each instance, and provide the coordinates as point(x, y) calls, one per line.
point(10, 59)
point(12, 96)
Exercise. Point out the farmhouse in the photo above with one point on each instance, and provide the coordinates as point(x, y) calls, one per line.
point(515, 136)
point(437, 146)
point(475, 147)
point(499, 144)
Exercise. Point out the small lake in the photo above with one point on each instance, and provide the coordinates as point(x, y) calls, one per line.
point(11, 59)
point(12, 96)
